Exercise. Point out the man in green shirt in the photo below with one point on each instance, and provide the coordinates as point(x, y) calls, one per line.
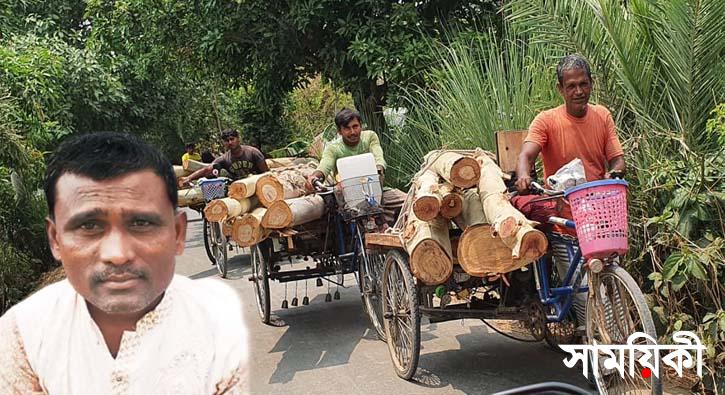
point(353, 141)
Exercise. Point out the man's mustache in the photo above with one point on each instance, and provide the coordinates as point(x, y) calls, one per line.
point(113, 271)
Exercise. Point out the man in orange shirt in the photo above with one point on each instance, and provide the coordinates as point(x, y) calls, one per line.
point(575, 129)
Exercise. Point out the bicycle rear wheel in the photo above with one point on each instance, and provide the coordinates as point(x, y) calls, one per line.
point(371, 265)
point(219, 248)
point(617, 309)
point(260, 277)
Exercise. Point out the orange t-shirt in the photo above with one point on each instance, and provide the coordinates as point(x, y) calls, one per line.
point(562, 138)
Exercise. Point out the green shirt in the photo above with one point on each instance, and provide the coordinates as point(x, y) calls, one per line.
point(337, 149)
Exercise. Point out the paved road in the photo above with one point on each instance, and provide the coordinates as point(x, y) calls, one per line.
point(330, 347)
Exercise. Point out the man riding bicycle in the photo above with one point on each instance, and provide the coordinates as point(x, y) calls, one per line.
point(573, 130)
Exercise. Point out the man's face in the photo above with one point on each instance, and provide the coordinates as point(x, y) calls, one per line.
point(190, 149)
point(117, 239)
point(575, 88)
point(231, 143)
point(351, 132)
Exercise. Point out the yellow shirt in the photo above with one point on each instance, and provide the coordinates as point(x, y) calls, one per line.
point(188, 156)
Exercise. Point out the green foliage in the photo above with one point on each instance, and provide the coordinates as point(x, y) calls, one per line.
point(59, 88)
point(482, 84)
point(311, 108)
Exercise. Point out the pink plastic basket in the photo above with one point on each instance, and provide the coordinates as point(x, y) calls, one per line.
point(600, 212)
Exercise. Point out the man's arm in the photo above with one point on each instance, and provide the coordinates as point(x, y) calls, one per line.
point(326, 166)
point(616, 165)
point(203, 172)
point(526, 161)
point(377, 150)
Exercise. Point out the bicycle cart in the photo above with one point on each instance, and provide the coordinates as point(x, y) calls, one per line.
point(334, 246)
point(216, 237)
point(615, 306)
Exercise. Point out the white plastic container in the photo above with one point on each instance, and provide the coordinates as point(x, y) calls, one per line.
point(360, 183)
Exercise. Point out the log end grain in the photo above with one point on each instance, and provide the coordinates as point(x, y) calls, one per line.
point(465, 173)
point(278, 216)
point(426, 208)
point(452, 205)
point(430, 263)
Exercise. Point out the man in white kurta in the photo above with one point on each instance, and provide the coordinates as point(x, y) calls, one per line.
point(122, 322)
point(193, 342)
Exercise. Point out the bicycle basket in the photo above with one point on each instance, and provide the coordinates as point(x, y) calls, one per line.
point(599, 209)
point(213, 189)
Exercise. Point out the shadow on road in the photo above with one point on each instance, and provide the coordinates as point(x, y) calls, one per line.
point(313, 341)
point(487, 363)
point(238, 267)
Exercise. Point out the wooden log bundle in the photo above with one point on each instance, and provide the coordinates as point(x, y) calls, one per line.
point(190, 197)
point(461, 171)
point(429, 248)
point(284, 183)
point(292, 212)
point(221, 209)
point(191, 165)
point(496, 237)
point(247, 229)
point(244, 188)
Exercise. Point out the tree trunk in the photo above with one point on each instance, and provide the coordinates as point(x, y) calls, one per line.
point(220, 209)
point(247, 230)
point(481, 253)
point(192, 165)
point(514, 229)
point(427, 203)
point(180, 172)
point(244, 188)
point(461, 171)
point(284, 183)
point(451, 201)
point(190, 197)
point(504, 218)
point(292, 212)
point(429, 248)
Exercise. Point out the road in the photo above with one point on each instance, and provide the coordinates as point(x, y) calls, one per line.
point(331, 348)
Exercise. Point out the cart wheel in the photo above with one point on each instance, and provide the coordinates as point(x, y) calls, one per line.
point(563, 332)
point(261, 281)
point(616, 309)
point(401, 314)
point(219, 248)
point(371, 265)
point(208, 242)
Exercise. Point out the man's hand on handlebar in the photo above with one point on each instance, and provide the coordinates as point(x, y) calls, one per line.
point(522, 185)
point(314, 181)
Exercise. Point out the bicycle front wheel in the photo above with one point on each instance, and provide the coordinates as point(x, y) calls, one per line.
point(616, 309)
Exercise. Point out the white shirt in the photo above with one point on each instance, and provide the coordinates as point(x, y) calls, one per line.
point(193, 342)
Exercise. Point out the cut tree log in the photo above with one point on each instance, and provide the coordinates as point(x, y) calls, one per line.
point(283, 183)
point(193, 165)
point(427, 203)
point(275, 163)
point(472, 212)
point(508, 223)
point(429, 248)
point(480, 253)
point(451, 201)
point(461, 171)
point(247, 230)
point(244, 188)
point(504, 218)
point(292, 212)
point(190, 197)
point(180, 172)
point(220, 209)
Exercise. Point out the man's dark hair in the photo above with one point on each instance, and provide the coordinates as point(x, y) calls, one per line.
point(228, 133)
point(190, 146)
point(103, 156)
point(207, 157)
point(345, 116)
point(572, 62)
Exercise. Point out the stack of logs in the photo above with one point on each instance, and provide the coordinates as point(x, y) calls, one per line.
point(465, 188)
point(261, 203)
point(193, 196)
